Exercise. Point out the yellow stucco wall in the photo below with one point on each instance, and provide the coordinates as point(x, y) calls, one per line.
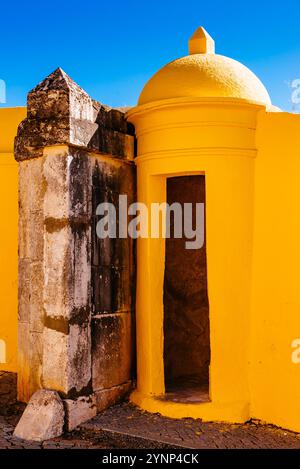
point(206, 114)
point(251, 161)
point(275, 317)
point(215, 138)
point(9, 121)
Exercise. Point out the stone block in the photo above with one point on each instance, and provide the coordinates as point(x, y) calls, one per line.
point(24, 290)
point(36, 235)
point(36, 361)
point(112, 289)
point(114, 176)
point(37, 184)
point(67, 358)
point(115, 252)
point(79, 360)
point(59, 112)
point(80, 184)
point(43, 417)
point(56, 177)
point(50, 99)
point(55, 360)
point(127, 176)
point(55, 237)
point(81, 266)
point(24, 234)
point(24, 187)
point(112, 344)
point(117, 120)
point(108, 397)
point(58, 250)
point(79, 411)
point(23, 362)
point(36, 316)
point(128, 151)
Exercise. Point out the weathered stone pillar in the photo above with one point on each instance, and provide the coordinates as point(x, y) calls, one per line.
point(75, 292)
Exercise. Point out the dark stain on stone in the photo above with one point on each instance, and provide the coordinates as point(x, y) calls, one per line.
point(111, 350)
point(59, 324)
point(73, 393)
point(79, 228)
point(80, 316)
point(77, 225)
point(80, 184)
point(113, 259)
point(112, 290)
point(82, 353)
point(55, 224)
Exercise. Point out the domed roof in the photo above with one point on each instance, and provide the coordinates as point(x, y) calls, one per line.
point(204, 74)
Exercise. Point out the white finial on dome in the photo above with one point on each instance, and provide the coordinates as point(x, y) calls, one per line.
point(201, 42)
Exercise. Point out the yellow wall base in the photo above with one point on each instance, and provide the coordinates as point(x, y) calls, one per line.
point(232, 412)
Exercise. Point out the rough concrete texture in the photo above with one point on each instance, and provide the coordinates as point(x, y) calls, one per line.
point(43, 417)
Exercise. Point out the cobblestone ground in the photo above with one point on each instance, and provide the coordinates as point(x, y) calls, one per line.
point(8, 391)
point(128, 420)
point(124, 426)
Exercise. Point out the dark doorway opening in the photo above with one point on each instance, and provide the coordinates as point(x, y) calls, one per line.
point(186, 311)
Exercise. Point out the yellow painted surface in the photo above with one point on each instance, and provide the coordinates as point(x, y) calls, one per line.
point(209, 116)
point(204, 74)
point(9, 121)
point(275, 320)
point(201, 43)
point(206, 114)
point(216, 138)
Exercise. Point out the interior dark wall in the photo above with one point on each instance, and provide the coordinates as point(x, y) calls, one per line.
point(186, 312)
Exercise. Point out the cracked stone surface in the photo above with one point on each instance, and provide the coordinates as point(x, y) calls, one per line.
point(125, 426)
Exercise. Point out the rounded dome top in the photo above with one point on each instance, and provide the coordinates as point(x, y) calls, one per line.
point(203, 74)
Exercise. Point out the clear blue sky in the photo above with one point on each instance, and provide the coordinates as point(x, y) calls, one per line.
point(111, 48)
